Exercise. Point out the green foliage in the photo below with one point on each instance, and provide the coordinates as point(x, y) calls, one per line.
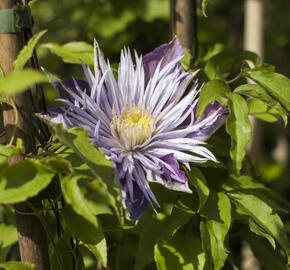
point(17, 266)
point(214, 229)
point(76, 52)
point(276, 85)
point(20, 80)
point(182, 252)
point(77, 139)
point(23, 180)
point(239, 127)
point(204, 4)
point(197, 179)
point(211, 91)
point(27, 51)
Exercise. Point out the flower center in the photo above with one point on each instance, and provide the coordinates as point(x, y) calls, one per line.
point(133, 127)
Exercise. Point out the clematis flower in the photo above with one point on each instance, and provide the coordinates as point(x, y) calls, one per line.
point(143, 121)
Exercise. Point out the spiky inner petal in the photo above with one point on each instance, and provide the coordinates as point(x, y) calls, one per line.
point(133, 127)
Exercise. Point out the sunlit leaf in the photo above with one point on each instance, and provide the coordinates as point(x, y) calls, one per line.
point(182, 252)
point(215, 228)
point(23, 180)
point(8, 235)
point(211, 91)
point(17, 266)
point(204, 4)
point(20, 80)
point(259, 93)
point(276, 85)
point(238, 126)
point(77, 139)
point(76, 52)
point(262, 214)
point(27, 51)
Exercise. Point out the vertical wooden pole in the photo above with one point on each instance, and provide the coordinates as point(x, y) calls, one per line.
point(253, 41)
point(184, 23)
point(32, 238)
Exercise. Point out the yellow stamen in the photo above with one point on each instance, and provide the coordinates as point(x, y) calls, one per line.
point(133, 127)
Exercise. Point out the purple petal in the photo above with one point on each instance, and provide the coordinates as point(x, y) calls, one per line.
point(136, 205)
point(168, 175)
point(166, 52)
point(209, 127)
point(71, 85)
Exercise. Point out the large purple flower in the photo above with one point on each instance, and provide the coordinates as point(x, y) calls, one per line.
point(143, 121)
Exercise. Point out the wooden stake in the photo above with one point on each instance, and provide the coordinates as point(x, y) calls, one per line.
point(184, 23)
point(32, 238)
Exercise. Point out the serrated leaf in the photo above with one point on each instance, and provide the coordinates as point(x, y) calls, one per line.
point(197, 179)
point(258, 92)
point(89, 232)
point(76, 52)
point(27, 51)
point(262, 214)
point(23, 180)
point(211, 91)
point(182, 252)
point(19, 80)
point(214, 231)
point(238, 126)
point(276, 85)
point(17, 266)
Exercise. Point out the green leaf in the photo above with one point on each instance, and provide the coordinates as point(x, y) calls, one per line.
point(76, 52)
point(154, 229)
point(8, 235)
point(17, 266)
point(214, 231)
point(23, 180)
point(264, 252)
point(276, 85)
point(254, 207)
point(197, 179)
point(204, 4)
point(211, 91)
point(19, 80)
point(89, 232)
point(77, 139)
point(238, 126)
point(27, 51)
point(259, 93)
point(6, 151)
point(263, 111)
point(258, 230)
point(75, 198)
point(182, 252)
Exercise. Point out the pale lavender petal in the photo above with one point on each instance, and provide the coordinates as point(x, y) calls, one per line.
point(165, 54)
point(211, 126)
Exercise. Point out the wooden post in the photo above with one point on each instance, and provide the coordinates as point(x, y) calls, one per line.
point(32, 238)
point(184, 23)
point(253, 41)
